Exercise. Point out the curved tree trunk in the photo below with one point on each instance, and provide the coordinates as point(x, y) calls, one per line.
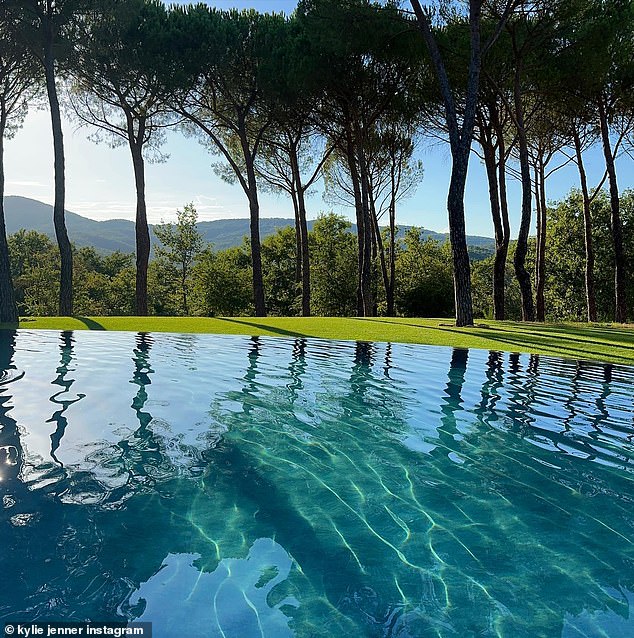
point(8, 307)
point(541, 312)
point(521, 249)
point(617, 225)
point(501, 252)
point(460, 141)
point(490, 163)
point(142, 232)
point(65, 250)
point(591, 303)
point(256, 256)
point(538, 215)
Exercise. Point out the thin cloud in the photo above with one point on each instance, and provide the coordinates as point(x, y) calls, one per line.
point(28, 184)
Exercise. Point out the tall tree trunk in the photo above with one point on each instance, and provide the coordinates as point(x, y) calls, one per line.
point(540, 262)
point(8, 307)
point(460, 141)
point(501, 251)
point(256, 250)
point(305, 255)
point(541, 267)
point(142, 232)
point(521, 249)
point(298, 238)
point(358, 206)
point(366, 281)
point(380, 250)
point(488, 148)
point(591, 303)
point(617, 225)
point(302, 227)
point(538, 215)
point(458, 239)
point(184, 288)
point(65, 250)
point(389, 292)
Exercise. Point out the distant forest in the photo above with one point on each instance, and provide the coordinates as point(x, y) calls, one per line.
point(345, 91)
point(190, 276)
point(118, 234)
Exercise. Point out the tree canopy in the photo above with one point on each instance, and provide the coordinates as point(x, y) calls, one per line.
point(347, 92)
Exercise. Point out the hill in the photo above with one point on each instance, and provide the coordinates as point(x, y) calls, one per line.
point(118, 234)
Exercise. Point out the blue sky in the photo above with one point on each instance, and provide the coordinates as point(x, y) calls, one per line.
point(100, 181)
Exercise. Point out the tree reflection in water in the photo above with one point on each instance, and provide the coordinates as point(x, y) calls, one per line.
point(62, 398)
point(513, 519)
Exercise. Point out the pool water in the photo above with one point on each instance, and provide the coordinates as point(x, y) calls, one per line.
point(237, 487)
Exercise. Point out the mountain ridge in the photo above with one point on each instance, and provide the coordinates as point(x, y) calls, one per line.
point(110, 235)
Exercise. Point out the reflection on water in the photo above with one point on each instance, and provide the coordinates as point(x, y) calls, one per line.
point(297, 487)
point(62, 398)
point(601, 623)
point(230, 601)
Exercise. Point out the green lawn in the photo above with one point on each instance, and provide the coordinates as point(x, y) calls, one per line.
point(603, 342)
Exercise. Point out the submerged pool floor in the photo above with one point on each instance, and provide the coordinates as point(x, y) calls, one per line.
point(238, 487)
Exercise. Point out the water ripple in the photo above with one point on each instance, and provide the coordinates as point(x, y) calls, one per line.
point(314, 488)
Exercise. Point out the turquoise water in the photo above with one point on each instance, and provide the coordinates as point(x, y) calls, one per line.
point(244, 487)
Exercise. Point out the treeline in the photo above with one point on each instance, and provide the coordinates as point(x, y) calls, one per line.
point(189, 277)
point(345, 91)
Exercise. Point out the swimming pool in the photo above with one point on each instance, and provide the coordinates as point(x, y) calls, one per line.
point(233, 486)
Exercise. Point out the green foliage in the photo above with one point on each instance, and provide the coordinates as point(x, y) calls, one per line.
point(424, 282)
point(278, 263)
point(223, 282)
point(182, 243)
point(219, 282)
point(122, 75)
point(333, 252)
point(102, 285)
point(230, 63)
point(163, 297)
point(20, 76)
point(49, 26)
point(482, 285)
point(600, 34)
point(121, 291)
point(35, 271)
point(565, 256)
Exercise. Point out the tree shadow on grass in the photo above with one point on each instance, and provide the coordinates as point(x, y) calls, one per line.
point(554, 338)
point(261, 326)
point(556, 348)
point(609, 333)
point(556, 335)
point(91, 324)
point(394, 323)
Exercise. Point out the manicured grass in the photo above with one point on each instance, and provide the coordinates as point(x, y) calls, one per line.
point(603, 342)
